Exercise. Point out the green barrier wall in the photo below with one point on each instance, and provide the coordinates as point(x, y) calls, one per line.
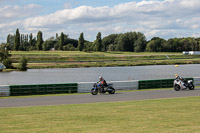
point(16, 90)
point(160, 83)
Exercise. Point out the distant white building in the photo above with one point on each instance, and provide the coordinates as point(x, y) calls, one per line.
point(191, 52)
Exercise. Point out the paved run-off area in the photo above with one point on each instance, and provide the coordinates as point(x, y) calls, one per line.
point(88, 98)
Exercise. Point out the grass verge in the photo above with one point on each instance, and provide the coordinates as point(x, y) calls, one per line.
point(180, 115)
point(71, 59)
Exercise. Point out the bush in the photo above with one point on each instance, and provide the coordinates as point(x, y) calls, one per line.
point(23, 64)
point(69, 47)
point(7, 62)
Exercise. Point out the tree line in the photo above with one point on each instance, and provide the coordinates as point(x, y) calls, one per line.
point(130, 41)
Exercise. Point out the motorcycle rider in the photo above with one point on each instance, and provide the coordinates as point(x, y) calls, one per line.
point(177, 76)
point(103, 84)
point(180, 78)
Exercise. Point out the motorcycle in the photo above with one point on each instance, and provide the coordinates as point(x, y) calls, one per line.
point(183, 84)
point(97, 88)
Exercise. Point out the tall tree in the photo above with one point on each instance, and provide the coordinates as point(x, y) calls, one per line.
point(61, 41)
point(17, 40)
point(140, 43)
point(98, 42)
point(81, 42)
point(123, 43)
point(39, 40)
point(31, 39)
point(10, 41)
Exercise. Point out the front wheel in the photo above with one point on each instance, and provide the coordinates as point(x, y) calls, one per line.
point(94, 91)
point(191, 87)
point(111, 90)
point(177, 88)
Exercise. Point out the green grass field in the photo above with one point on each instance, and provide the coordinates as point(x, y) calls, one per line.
point(59, 59)
point(178, 115)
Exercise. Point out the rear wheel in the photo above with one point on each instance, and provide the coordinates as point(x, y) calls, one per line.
point(112, 90)
point(177, 88)
point(191, 87)
point(94, 91)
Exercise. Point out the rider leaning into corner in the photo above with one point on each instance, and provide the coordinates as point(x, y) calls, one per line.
point(102, 83)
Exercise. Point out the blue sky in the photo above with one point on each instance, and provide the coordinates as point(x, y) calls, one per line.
point(162, 18)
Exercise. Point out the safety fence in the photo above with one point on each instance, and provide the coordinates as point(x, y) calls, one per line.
point(159, 83)
point(16, 90)
point(197, 81)
point(4, 90)
point(85, 87)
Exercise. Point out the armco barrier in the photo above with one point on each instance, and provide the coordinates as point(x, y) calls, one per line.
point(4, 90)
point(196, 81)
point(16, 90)
point(159, 83)
point(85, 87)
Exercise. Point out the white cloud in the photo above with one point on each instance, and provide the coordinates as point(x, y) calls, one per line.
point(67, 6)
point(196, 35)
point(9, 13)
point(167, 18)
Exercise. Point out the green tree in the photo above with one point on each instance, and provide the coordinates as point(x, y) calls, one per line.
point(69, 47)
point(39, 40)
point(17, 40)
point(173, 45)
point(88, 46)
point(5, 57)
point(140, 43)
point(188, 44)
point(49, 44)
point(123, 43)
point(98, 42)
point(81, 42)
point(23, 64)
point(111, 47)
point(31, 39)
point(107, 41)
point(61, 41)
point(10, 42)
point(155, 45)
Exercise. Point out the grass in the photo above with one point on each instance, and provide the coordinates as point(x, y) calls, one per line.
point(61, 59)
point(180, 115)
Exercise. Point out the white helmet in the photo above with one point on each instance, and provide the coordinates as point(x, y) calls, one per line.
point(100, 77)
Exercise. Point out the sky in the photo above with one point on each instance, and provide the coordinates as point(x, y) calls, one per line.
point(155, 18)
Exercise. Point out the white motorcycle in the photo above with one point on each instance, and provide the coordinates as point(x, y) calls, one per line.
point(183, 84)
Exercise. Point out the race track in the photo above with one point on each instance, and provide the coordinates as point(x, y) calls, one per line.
point(100, 98)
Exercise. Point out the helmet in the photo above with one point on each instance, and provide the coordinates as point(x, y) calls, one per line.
point(100, 77)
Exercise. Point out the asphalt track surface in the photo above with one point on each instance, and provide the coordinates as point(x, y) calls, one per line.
point(100, 98)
